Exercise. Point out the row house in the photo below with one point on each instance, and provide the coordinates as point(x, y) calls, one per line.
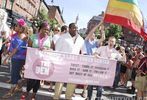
point(56, 14)
point(29, 9)
point(20, 9)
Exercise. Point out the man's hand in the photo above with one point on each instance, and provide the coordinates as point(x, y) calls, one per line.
point(102, 28)
point(96, 55)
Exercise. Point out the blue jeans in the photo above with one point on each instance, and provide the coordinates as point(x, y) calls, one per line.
point(98, 94)
point(17, 65)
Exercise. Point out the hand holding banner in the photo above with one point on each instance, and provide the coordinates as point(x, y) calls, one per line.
point(69, 68)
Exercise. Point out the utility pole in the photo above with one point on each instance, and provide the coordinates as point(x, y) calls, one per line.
point(77, 18)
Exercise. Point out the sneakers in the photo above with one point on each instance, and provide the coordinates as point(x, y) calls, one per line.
point(24, 96)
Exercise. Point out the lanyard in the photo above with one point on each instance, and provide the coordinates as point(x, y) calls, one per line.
point(41, 41)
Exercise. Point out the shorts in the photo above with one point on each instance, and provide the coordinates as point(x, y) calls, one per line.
point(133, 74)
point(123, 69)
point(141, 83)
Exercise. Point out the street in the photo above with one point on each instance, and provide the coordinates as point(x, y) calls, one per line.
point(44, 94)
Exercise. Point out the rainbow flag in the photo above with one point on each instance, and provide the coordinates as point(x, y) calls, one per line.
point(127, 14)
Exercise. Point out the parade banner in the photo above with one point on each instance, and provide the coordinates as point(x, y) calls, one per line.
point(69, 68)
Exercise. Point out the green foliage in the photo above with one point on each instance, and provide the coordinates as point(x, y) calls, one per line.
point(113, 30)
point(97, 33)
point(53, 23)
point(43, 16)
point(12, 0)
point(83, 35)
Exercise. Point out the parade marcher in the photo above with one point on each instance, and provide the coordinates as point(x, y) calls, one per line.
point(71, 42)
point(42, 41)
point(28, 32)
point(109, 52)
point(129, 64)
point(138, 56)
point(64, 29)
point(17, 55)
point(91, 44)
point(141, 78)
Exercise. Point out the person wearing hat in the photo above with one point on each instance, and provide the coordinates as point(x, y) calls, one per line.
point(17, 55)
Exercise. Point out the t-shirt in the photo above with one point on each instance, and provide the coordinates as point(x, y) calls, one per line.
point(90, 46)
point(143, 65)
point(68, 44)
point(107, 53)
point(19, 44)
point(35, 40)
point(55, 38)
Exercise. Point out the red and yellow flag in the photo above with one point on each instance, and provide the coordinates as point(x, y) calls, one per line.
point(127, 14)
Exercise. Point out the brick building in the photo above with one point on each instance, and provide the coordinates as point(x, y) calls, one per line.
point(20, 8)
point(55, 13)
point(131, 38)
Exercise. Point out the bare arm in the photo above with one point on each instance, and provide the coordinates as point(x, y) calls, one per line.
point(91, 32)
point(9, 56)
point(102, 32)
point(30, 43)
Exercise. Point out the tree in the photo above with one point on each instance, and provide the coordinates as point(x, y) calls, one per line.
point(114, 30)
point(53, 23)
point(44, 16)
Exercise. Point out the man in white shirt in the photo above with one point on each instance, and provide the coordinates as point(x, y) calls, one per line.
point(71, 42)
point(109, 52)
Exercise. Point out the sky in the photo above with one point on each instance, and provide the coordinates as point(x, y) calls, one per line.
point(86, 9)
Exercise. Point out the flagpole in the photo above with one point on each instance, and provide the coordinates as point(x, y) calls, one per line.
point(101, 22)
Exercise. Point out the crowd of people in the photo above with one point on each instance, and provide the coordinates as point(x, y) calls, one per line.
point(131, 61)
